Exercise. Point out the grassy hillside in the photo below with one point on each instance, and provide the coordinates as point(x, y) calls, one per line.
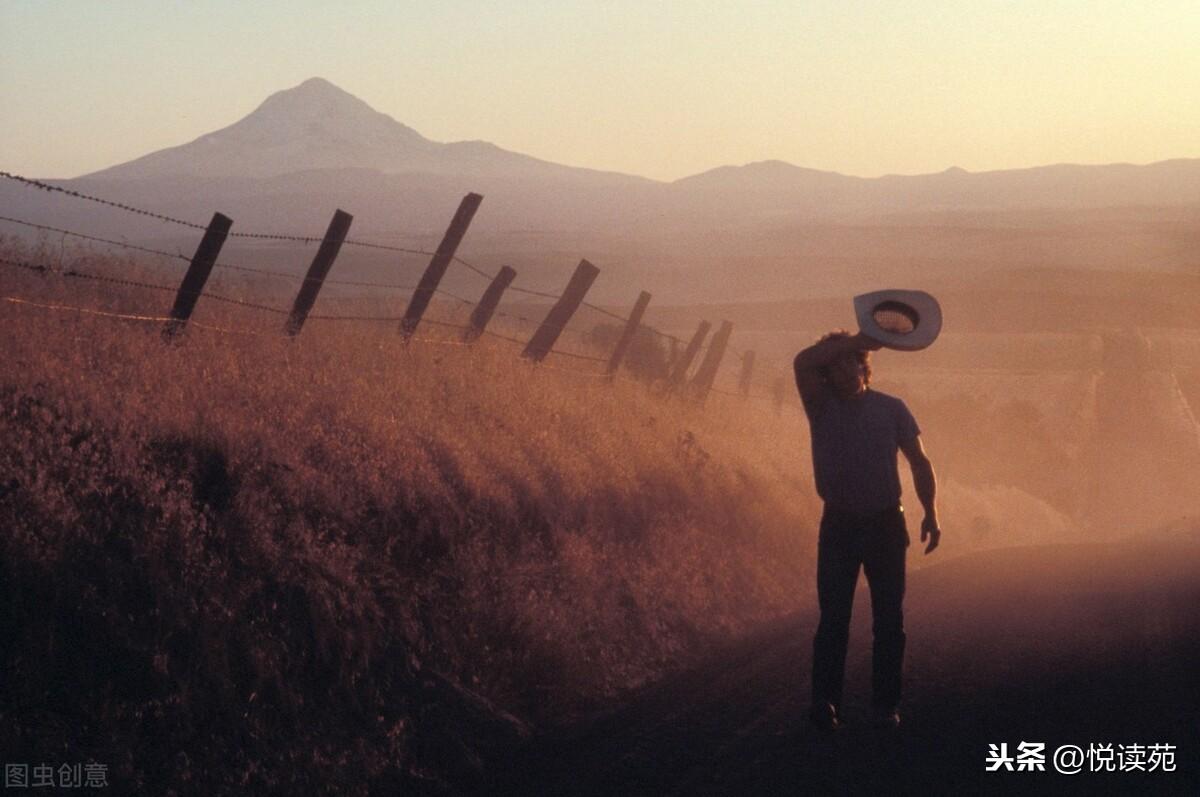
point(336, 563)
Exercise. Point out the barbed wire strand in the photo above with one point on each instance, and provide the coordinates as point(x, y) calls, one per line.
point(219, 264)
point(662, 334)
point(492, 277)
point(86, 237)
point(441, 341)
point(456, 298)
point(576, 356)
point(445, 324)
point(305, 239)
point(531, 292)
point(149, 250)
point(608, 313)
point(312, 239)
point(44, 269)
point(71, 273)
point(365, 318)
point(513, 288)
point(504, 337)
point(515, 317)
point(474, 268)
point(387, 247)
point(126, 316)
point(272, 236)
point(561, 328)
point(545, 295)
point(80, 195)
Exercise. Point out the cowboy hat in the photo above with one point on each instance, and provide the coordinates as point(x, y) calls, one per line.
point(904, 320)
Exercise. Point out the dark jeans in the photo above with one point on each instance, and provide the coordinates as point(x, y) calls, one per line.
point(878, 544)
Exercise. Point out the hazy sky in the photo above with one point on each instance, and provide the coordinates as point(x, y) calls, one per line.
point(659, 89)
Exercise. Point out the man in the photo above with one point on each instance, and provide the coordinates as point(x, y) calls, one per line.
point(856, 433)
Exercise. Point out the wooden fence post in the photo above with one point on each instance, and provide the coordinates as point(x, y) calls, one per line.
point(747, 373)
point(707, 373)
point(683, 362)
point(631, 328)
point(331, 244)
point(439, 263)
point(556, 320)
point(483, 311)
point(197, 274)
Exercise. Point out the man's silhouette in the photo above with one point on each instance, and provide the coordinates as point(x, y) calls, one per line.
point(856, 433)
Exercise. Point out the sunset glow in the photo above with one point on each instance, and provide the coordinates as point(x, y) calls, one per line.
point(663, 91)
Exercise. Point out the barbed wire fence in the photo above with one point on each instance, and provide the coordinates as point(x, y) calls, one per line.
point(556, 342)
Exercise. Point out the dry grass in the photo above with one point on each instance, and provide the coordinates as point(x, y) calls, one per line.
point(244, 561)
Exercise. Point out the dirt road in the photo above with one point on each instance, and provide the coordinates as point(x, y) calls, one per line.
point(1064, 645)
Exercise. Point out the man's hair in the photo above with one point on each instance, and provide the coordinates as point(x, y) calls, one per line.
point(864, 356)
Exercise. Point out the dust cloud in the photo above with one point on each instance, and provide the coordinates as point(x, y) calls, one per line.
point(1058, 406)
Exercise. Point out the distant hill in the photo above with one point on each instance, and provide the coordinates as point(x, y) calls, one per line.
point(318, 130)
point(759, 231)
point(318, 126)
point(774, 188)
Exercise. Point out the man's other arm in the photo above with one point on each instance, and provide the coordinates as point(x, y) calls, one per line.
point(925, 481)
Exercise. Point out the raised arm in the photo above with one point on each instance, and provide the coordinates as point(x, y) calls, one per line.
point(925, 481)
point(808, 364)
